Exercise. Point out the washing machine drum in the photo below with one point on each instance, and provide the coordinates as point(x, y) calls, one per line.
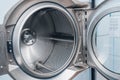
point(44, 39)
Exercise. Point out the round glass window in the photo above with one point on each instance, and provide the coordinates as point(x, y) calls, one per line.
point(106, 40)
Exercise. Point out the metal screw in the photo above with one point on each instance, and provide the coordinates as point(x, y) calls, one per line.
point(8, 31)
point(10, 60)
point(1, 67)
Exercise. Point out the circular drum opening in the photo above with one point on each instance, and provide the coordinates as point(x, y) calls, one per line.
point(47, 42)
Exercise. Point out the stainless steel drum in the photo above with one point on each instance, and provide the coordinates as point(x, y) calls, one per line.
point(44, 38)
point(44, 43)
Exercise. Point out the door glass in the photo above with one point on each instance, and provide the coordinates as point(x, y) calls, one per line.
point(106, 40)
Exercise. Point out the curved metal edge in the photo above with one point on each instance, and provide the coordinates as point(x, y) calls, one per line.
point(17, 32)
point(98, 14)
point(76, 36)
point(11, 11)
point(9, 23)
point(15, 12)
point(68, 74)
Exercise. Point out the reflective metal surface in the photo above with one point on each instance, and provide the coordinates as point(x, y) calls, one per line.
point(67, 74)
point(3, 50)
point(106, 40)
point(44, 40)
point(28, 37)
point(93, 59)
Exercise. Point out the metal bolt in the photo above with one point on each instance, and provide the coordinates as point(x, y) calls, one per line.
point(10, 60)
point(1, 67)
point(8, 31)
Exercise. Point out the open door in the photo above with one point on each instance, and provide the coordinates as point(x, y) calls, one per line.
point(103, 39)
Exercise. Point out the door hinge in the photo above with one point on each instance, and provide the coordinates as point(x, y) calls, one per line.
point(79, 61)
point(9, 47)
